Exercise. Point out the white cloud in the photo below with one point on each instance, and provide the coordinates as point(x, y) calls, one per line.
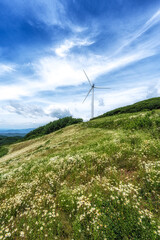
point(66, 69)
point(63, 49)
point(64, 72)
point(153, 20)
point(49, 11)
point(11, 92)
point(149, 24)
point(33, 115)
point(58, 111)
point(100, 102)
point(54, 72)
point(33, 111)
point(6, 69)
point(153, 89)
point(115, 63)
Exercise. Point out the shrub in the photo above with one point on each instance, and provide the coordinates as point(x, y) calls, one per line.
point(3, 151)
point(52, 127)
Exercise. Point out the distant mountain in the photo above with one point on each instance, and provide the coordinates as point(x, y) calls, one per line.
point(15, 132)
point(146, 105)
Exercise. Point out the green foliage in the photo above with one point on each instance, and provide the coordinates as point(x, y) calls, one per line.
point(3, 151)
point(143, 121)
point(8, 140)
point(146, 105)
point(52, 127)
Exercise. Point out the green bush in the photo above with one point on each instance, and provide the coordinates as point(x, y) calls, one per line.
point(52, 127)
point(3, 151)
point(136, 123)
point(4, 140)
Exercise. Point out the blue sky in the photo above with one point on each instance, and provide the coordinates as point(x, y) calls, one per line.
point(45, 44)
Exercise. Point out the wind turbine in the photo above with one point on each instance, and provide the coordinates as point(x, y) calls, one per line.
point(92, 90)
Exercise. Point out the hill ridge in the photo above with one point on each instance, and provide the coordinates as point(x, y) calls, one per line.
point(148, 104)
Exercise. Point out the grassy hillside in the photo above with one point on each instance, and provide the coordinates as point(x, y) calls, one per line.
point(52, 127)
point(94, 180)
point(146, 105)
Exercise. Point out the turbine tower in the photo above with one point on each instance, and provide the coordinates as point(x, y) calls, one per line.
point(92, 90)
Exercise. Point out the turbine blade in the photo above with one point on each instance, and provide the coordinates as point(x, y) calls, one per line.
point(87, 94)
point(87, 78)
point(102, 87)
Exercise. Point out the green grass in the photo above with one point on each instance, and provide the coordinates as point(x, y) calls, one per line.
point(94, 180)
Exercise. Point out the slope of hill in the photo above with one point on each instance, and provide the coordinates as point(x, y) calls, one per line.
point(52, 127)
point(94, 180)
point(149, 104)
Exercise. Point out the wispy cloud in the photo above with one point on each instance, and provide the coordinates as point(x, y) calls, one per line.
point(6, 68)
point(51, 72)
point(34, 111)
point(152, 21)
point(63, 49)
point(149, 24)
point(25, 110)
point(49, 12)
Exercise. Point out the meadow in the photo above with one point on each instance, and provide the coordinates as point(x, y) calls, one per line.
point(94, 180)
